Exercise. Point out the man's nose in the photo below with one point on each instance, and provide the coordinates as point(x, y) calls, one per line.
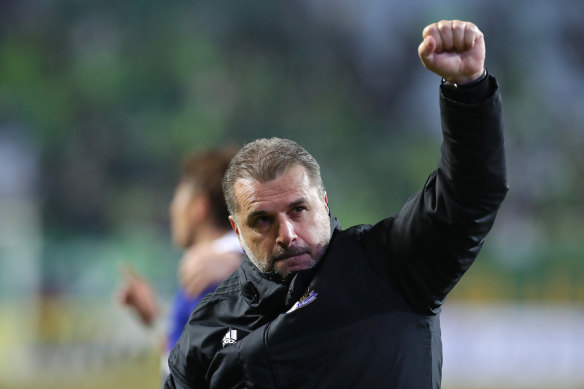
point(286, 232)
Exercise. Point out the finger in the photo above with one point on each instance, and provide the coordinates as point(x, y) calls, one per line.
point(432, 31)
point(445, 29)
point(426, 49)
point(471, 35)
point(122, 296)
point(458, 29)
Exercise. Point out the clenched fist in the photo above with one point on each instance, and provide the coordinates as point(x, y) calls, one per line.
point(453, 49)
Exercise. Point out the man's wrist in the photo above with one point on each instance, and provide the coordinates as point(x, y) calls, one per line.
point(469, 84)
point(473, 92)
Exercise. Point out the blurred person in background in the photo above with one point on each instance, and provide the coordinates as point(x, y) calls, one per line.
point(316, 306)
point(199, 224)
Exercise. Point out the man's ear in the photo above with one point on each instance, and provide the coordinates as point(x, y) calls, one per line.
point(326, 202)
point(234, 225)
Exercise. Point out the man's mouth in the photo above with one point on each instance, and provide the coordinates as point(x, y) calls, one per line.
point(291, 254)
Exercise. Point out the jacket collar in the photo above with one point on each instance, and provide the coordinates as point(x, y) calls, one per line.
point(270, 293)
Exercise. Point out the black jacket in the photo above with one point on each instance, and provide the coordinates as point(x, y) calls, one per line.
point(367, 316)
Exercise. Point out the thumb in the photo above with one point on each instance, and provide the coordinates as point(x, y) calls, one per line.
point(426, 50)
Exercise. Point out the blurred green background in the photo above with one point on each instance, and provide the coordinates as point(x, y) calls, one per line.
point(100, 101)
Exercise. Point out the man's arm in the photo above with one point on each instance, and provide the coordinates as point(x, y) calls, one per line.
point(438, 233)
point(203, 266)
point(170, 384)
point(183, 375)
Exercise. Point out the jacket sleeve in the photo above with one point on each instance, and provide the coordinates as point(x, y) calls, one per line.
point(184, 371)
point(427, 247)
point(171, 384)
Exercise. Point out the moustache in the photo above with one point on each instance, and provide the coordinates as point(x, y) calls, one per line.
point(290, 252)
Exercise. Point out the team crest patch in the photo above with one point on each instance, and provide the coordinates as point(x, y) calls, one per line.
point(308, 297)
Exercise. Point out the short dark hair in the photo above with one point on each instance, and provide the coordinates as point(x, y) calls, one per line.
point(203, 172)
point(265, 159)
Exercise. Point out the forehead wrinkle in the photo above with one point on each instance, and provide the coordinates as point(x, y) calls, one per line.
point(279, 193)
point(276, 201)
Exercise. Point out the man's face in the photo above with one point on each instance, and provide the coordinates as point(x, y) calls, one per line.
point(188, 211)
point(179, 215)
point(283, 224)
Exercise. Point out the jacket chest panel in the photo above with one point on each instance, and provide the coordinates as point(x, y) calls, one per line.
point(348, 322)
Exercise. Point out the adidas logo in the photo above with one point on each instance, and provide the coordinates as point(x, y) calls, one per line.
point(229, 338)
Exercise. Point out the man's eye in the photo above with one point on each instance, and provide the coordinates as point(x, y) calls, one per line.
point(298, 210)
point(262, 220)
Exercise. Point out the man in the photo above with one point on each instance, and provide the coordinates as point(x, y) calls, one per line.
point(315, 306)
point(199, 224)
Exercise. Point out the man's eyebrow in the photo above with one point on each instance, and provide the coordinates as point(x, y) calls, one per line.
point(261, 212)
point(296, 203)
point(256, 213)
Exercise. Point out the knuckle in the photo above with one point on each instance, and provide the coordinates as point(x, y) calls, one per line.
point(443, 25)
point(472, 27)
point(458, 25)
point(430, 29)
